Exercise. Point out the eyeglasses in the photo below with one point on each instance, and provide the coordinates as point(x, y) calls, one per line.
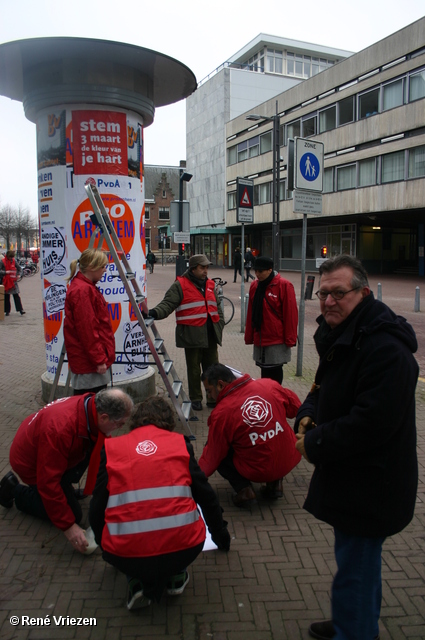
point(336, 295)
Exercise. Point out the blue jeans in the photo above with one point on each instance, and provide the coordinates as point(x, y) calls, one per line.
point(357, 587)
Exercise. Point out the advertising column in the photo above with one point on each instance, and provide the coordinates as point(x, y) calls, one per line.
point(79, 146)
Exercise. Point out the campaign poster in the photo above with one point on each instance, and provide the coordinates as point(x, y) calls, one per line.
point(75, 147)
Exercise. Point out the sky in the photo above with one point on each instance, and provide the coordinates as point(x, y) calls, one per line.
point(199, 34)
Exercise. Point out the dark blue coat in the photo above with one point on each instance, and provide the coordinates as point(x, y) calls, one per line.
point(364, 444)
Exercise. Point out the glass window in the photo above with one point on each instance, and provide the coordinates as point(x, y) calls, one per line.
point(293, 129)
point(315, 66)
point(417, 86)
point(417, 162)
point(231, 200)
point(262, 193)
point(290, 64)
point(147, 213)
point(346, 177)
point(232, 155)
point(309, 126)
point(274, 61)
point(367, 172)
point(327, 119)
point(254, 146)
point(328, 180)
point(346, 111)
point(266, 142)
point(299, 65)
point(164, 213)
point(242, 151)
point(393, 167)
point(282, 189)
point(393, 95)
point(369, 103)
point(281, 135)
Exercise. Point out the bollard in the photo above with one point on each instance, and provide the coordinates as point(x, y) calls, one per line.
point(246, 305)
point(417, 300)
point(379, 294)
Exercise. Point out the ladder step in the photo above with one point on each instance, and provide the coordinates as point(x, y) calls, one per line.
point(167, 364)
point(130, 275)
point(139, 298)
point(186, 406)
point(177, 387)
point(158, 343)
point(149, 321)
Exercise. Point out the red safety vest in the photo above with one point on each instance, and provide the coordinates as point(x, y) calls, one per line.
point(150, 509)
point(194, 309)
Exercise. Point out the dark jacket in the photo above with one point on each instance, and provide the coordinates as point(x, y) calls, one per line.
point(364, 444)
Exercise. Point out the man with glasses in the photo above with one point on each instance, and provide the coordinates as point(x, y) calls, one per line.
point(52, 449)
point(357, 426)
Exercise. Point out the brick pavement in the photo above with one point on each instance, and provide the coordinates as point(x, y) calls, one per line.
point(276, 578)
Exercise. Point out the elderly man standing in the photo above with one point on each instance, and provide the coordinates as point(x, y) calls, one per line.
point(357, 426)
point(199, 319)
point(52, 449)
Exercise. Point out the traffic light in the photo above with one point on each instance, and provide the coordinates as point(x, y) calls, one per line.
point(182, 246)
point(324, 251)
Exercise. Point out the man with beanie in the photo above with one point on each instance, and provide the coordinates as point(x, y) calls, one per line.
point(199, 321)
point(272, 319)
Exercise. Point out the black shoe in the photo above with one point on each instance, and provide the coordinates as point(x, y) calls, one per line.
point(272, 490)
point(197, 405)
point(244, 498)
point(22, 313)
point(7, 487)
point(7, 314)
point(324, 630)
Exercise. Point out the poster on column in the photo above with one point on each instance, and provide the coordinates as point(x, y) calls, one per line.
point(76, 147)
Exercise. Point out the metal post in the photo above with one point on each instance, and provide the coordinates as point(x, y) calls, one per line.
point(275, 189)
point(379, 294)
point(300, 349)
point(417, 299)
point(243, 310)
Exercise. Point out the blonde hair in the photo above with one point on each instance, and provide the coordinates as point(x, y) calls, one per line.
point(90, 259)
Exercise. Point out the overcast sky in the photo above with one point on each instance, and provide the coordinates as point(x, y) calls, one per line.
point(200, 34)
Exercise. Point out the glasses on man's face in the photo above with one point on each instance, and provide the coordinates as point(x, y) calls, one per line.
point(338, 294)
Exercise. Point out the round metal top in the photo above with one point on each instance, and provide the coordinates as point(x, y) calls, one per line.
point(42, 71)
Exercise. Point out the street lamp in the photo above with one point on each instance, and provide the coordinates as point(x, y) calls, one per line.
point(275, 184)
point(184, 177)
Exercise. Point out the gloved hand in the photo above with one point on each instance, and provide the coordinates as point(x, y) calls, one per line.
point(221, 539)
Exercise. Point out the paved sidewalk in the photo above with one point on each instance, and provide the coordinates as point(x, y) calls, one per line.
point(276, 578)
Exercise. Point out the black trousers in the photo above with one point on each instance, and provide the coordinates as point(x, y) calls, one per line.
point(273, 373)
point(227, 470)
point(28, 499)
point(155, 571)
point(17, 301)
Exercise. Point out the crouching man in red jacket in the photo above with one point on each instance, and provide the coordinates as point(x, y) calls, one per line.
point(52, 449)
point(249, 438)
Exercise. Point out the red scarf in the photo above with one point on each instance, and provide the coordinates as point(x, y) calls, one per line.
point(9, 280)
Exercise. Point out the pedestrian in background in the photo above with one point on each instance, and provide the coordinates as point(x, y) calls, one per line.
point(9, 272)
point(272, 320)
point(248, 264)
point(88, 334)
point(150, 259)
point(237, 263)
point(357, 427)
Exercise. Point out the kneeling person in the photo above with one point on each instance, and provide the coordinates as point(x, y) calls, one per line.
point(249, 438)
point(144, 507)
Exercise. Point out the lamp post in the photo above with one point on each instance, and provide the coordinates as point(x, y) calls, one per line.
point(184, 177)
point(276, 180)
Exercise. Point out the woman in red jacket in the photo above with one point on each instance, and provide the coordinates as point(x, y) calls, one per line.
point(9, 272)
point(272, 320)
point(88, 334)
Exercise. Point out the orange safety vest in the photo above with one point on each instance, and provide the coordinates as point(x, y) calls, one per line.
point(150, 509)
point(194, 309)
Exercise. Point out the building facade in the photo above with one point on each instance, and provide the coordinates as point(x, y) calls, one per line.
point(265, 67)
point(162, 187)
point(369, 112)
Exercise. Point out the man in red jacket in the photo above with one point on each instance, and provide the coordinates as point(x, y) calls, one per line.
point(51, 450)
point(249, 438)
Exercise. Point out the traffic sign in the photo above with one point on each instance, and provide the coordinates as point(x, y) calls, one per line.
point(305, 202)
point(309, 157)
point(245, 200)
point(181, 237)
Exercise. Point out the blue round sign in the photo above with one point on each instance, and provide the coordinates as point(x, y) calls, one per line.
point(309, 167)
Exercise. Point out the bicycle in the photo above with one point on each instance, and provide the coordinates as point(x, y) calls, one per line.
point(227, 305)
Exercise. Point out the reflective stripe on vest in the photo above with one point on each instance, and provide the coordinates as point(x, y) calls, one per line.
point(148, 494)
point(153, 524)
point(193, 300)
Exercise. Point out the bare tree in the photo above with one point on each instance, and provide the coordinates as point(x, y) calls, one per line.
point(7, 224)
point(26, 227)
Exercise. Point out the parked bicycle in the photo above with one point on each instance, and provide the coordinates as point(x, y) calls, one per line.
point(227, 305)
